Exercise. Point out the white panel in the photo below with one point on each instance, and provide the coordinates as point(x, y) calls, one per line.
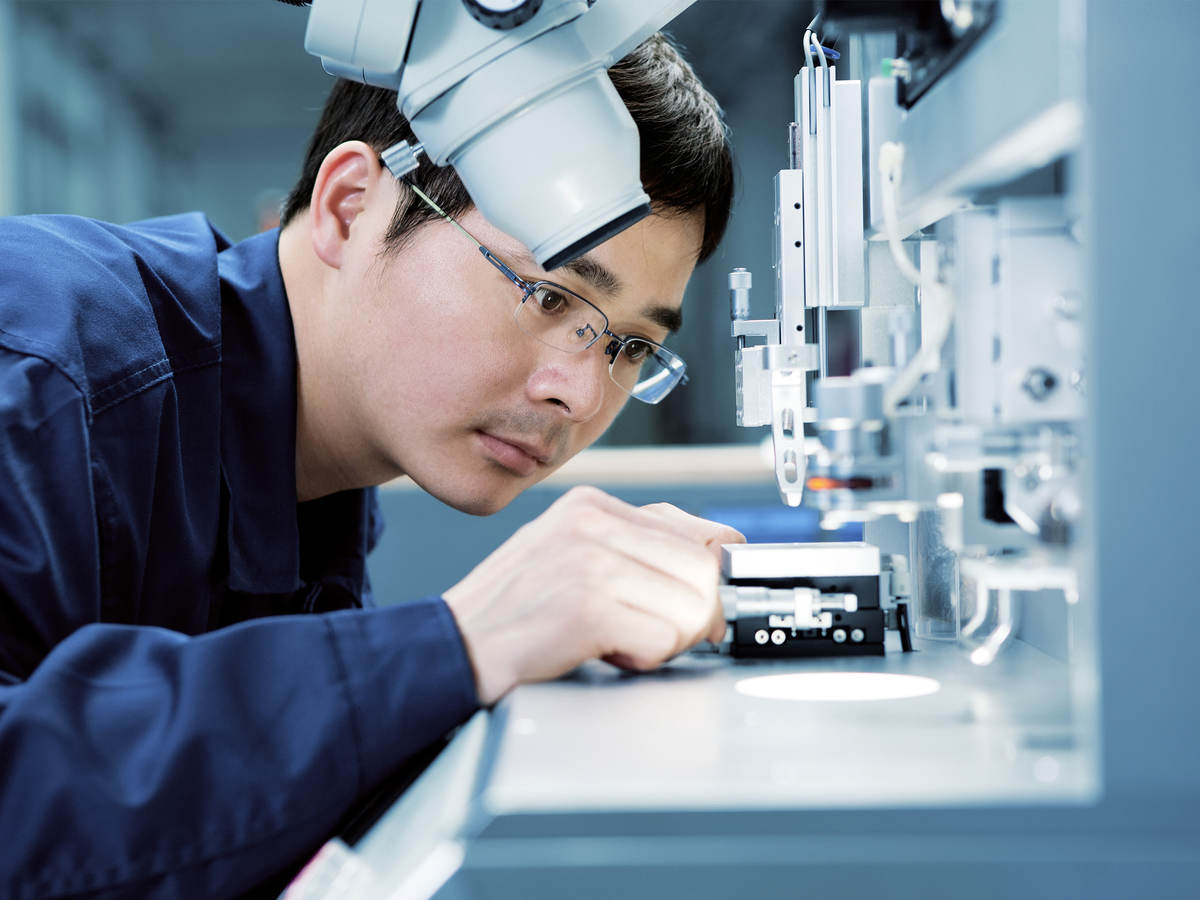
point(850, 288)
point(820, 560)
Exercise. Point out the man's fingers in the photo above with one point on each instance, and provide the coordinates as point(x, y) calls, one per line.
point(689, 611)
point(665, 515)
point(591, 577)
point(711, 534)
point(717, 625)
point(665, 539)
point(658, 550)
point(634, 639)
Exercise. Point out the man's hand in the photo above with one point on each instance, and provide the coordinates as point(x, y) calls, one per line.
point(592, 577)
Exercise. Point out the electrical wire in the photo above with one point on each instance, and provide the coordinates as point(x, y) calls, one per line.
point(937, 296)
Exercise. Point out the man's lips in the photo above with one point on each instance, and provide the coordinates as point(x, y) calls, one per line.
point(514, 454)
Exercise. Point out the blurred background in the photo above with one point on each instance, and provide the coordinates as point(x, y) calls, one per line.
point(126, 109)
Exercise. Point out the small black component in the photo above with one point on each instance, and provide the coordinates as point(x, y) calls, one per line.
point(810, 642)
point(993, 497)
point(902, 625)
point(753, 636)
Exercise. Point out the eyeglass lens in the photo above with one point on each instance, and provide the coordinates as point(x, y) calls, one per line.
point(566, 321)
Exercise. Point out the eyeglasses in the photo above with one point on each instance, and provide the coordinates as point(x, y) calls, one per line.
point(560, 318)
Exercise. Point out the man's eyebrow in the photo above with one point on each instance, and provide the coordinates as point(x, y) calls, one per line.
point(666, 316)
point(600, 276)
point(594, 273)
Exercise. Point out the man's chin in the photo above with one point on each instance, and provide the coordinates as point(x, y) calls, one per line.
point(478, 506)
point(483, 501)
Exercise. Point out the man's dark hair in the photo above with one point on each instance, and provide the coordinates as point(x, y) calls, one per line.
point(686, 165)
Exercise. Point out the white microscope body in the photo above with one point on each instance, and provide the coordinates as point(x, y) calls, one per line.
point(515, 96)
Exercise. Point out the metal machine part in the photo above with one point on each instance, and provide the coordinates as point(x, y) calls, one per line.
point(476, 79)
point(975, 427)
point(996, 586)
point(806, 600)
point(819, 266)
point(931, 37)
point(771, 386)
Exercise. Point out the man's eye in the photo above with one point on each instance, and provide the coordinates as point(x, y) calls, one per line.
point(637, 350)
point(551, 302)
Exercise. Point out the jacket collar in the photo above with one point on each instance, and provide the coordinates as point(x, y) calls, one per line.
point(258, 418)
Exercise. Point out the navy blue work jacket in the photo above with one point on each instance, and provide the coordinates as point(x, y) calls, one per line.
point(191, 692)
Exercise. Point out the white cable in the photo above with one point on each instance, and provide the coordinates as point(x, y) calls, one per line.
point(808, 54)
point(937, 296)
point(825, 214)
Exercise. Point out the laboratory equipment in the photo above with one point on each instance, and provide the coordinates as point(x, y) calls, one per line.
point(978, 432)
point(819, 599)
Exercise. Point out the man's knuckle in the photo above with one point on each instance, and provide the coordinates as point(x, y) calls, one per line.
point(585, 614)
point(587, 522)
point(669, 643)
point(596, 619)
point(707, 566)
point(582, 495)
point(593, 570)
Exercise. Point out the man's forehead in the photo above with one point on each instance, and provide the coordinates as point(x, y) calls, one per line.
point(603, 279)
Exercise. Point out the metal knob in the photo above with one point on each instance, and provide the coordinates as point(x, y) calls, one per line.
point(739, 293)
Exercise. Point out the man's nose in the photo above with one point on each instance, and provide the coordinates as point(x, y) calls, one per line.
point(578, 383)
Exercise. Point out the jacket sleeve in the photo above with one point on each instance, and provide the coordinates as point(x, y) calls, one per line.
point(136, 760)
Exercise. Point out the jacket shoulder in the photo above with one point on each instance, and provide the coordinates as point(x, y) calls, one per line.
point(103, 302)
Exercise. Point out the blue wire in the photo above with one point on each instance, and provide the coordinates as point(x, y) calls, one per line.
point(830, 53)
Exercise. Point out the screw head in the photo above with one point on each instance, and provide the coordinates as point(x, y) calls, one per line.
point(1039, 383)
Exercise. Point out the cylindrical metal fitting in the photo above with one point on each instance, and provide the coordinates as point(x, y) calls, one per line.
point(739, 293)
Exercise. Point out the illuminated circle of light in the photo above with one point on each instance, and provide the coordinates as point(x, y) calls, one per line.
point(837, 686)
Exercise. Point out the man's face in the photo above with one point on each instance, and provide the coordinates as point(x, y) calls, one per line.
point(444, 385)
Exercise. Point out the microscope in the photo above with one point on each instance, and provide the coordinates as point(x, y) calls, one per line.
point(476, 78)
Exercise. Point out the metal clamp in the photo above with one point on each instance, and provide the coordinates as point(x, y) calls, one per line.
point(401, 158)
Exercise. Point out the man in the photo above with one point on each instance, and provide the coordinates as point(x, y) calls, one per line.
point(189, 436)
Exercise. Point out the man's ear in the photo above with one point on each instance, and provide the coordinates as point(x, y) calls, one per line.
point(344, 182)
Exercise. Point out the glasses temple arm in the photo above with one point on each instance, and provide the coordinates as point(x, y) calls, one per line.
point(487, 254)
